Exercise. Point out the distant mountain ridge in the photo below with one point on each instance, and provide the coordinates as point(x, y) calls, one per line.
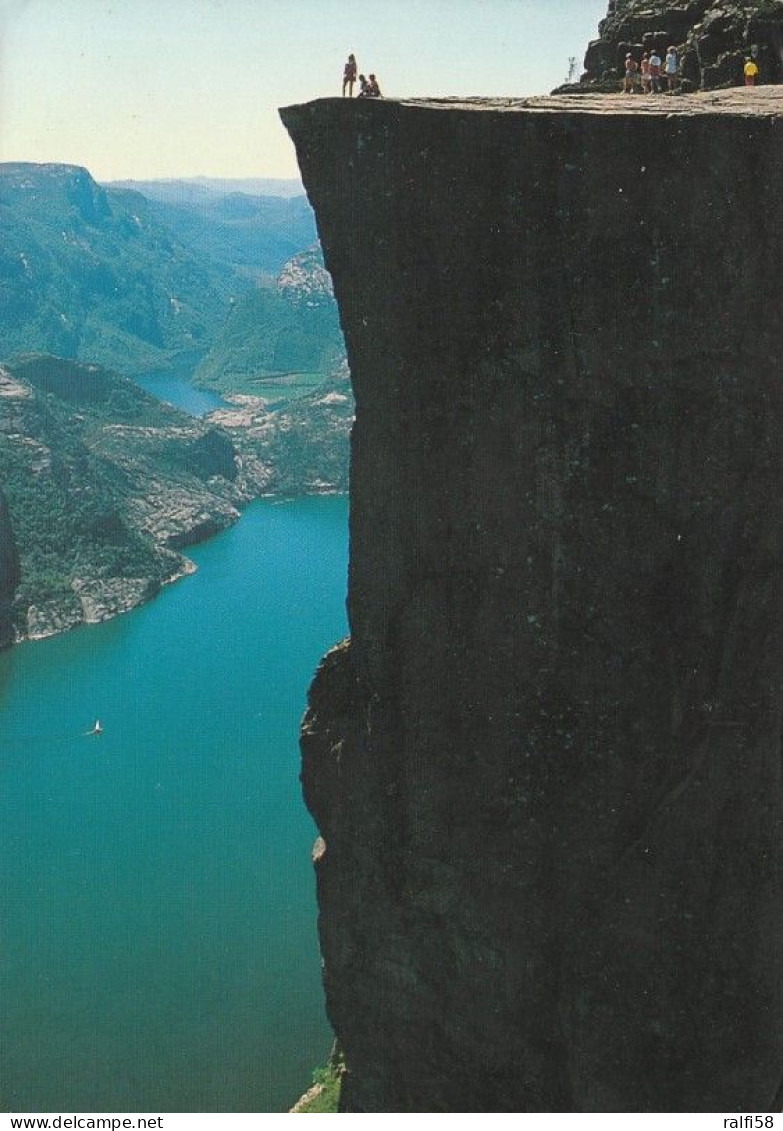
point(103, 274)
point(103, 483)
point(177, 188)
point(90, 273)
point(247, 232)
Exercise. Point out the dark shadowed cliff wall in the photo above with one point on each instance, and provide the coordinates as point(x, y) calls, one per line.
point(9, 572)
point(547, 771)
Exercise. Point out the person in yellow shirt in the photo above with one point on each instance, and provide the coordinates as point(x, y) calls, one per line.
point(751, 71)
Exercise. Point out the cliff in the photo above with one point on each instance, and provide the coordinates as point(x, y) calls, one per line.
point(9, 573)
point(713, 38)
point(547, 768)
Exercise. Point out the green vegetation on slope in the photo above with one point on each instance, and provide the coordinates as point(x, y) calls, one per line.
point(143, 287)
point(245, 233)
point(279, 341)
point(324, 1096)
point(89, 273)
point(304, 442)
point(103, 483)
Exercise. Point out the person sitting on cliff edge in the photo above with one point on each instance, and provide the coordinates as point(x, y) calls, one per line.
point(349, 75)
point(373, 90)
point(364, 87)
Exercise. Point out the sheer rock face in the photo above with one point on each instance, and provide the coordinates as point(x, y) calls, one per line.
point(713, 38)
point(9, 573)
point(547, 769)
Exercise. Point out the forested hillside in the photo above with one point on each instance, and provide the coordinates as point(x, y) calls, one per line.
point(104, 485)
point(89, 273)
point(247, 234)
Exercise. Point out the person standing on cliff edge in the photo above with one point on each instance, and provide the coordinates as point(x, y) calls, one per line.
point(644, 71)
point(751, 72)
point(630, 74)
point(349, 75)
point(655, 72)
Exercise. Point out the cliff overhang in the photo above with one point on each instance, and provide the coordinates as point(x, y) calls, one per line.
point(547, 769)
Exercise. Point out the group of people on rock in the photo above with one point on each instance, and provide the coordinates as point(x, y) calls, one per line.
point(651, 71)
point(368, 87)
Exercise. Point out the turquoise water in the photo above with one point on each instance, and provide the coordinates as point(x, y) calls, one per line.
point(158, 924)
point(181, 394)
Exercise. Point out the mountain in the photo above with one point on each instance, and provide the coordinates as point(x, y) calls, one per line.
point(104, 485)
point(102, 274)
point(279, 341)
point(90, 273)
point(303, 444)
point(248, 233)
point(189, 189)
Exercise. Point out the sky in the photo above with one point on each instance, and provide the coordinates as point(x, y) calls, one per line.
point(144, 89)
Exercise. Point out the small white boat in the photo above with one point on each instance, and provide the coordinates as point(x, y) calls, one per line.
point(97, 728)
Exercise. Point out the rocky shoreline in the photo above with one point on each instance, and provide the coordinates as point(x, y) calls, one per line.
point(95, 601)
point(106, 486)
point(300, 448)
